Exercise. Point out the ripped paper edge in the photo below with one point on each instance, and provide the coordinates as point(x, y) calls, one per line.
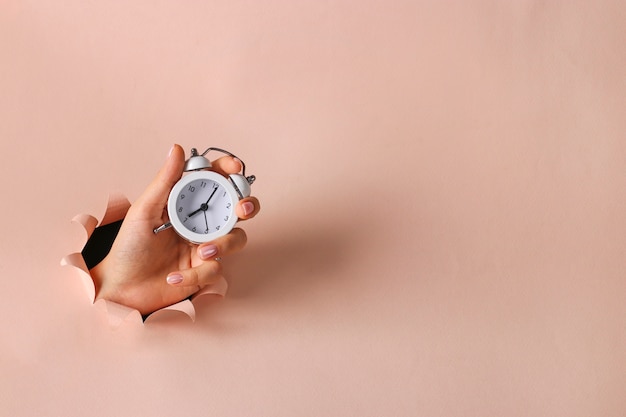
point(117, 207)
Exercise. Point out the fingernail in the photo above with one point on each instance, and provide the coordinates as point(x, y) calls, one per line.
point(248, 208)
point(171, 150)
point(207, 251)
point(174, 279)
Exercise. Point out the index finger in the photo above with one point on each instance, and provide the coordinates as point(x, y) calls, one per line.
point(226, 165)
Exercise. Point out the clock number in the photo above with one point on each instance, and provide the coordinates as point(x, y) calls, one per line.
point(186, 218)
point(192, 189)
point(180, 209)
point(224, 195)
point(193, 230)
point(228, 205)
point(217, 227)
point(226, 218)
point(203, 184)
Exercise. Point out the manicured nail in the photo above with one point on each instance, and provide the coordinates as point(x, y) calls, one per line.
point(248, 208)
point(208, 251)
point(174, 279)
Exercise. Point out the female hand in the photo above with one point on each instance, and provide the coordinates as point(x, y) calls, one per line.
point(147, 271)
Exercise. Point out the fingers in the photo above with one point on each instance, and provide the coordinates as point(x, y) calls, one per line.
point(223, 246)
point(210, 270)
point(204, 274)
point(226, 165)
point(154, 198)
point(248, 208)
point(157, 192)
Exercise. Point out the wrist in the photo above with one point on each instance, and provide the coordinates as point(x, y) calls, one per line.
point(110, 288)
point(101, 282)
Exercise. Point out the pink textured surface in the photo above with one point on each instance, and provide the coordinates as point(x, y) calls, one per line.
point(444, 205)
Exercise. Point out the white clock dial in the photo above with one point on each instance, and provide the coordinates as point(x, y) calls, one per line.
point(204, 206)
point(201, 206)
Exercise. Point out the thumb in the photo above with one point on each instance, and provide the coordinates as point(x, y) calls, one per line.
point(154, 198)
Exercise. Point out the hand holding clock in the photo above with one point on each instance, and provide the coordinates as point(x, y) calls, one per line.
point(147, 271)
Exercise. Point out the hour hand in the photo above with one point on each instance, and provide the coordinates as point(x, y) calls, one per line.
point(195, 212)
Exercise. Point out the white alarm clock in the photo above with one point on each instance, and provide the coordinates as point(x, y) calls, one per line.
point(201, 205)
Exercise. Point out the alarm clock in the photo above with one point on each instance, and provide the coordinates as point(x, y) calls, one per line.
point(201, 205)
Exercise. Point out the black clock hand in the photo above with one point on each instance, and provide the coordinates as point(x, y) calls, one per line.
point(204, 206)
point(206, 222)
point(195, 212)
point(210, 197)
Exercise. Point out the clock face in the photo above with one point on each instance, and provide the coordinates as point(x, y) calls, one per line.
point(201, 206)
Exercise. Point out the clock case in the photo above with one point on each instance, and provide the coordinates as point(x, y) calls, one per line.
point(198, 163)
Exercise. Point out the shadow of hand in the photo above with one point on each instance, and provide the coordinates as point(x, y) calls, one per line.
point(286, 265)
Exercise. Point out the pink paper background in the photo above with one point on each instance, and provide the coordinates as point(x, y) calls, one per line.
point(443, 184)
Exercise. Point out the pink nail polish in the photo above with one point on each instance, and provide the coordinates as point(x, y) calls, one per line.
point(248, 208)
point(174, 279)
point(208, 251)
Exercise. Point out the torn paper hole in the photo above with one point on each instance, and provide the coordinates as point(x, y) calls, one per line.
point(99, 238)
